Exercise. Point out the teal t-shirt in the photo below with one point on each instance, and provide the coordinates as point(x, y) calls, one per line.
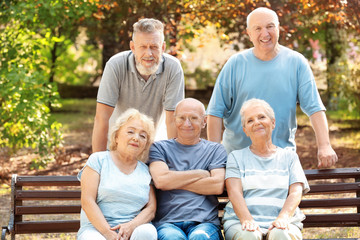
point(283, 82)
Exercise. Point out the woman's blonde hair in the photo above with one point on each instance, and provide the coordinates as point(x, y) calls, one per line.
point(148, 125)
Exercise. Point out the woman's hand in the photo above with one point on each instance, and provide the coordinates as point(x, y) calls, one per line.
point(280, 223)
point(250, 225)
point(111, 235)
point(125, 230)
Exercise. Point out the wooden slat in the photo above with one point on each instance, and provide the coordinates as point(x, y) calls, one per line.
point(332, 173)
point(47, 226)
point(48, 195)
point(54, 209)
point(47, 181)
point(334, 188)
point(330, 203)
point(332, 220)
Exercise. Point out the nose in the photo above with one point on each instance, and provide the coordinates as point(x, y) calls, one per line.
point(187, 121)
point(148, 51)
point(136, 137)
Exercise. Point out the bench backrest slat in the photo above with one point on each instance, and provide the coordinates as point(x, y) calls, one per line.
point(47, 226)
point(47, 181)
point(47, 195)
point(55, 209)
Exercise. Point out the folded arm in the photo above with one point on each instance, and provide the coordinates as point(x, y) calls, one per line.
point(212, 185)
point(166, 179)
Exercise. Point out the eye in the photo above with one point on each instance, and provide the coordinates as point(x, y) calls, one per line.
point(194, 118)
point(154, 47)
point(130, 131)
point(143, 136)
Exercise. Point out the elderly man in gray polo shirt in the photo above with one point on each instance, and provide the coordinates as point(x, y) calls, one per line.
point(144, 78)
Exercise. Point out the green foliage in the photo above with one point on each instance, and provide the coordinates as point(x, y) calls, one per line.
point(33, 35)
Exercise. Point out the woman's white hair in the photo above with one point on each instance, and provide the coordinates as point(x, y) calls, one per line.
point(148, 125)
point(253, 102)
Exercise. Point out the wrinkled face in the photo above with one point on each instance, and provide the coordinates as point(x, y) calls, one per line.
point(263, 31)
point(131, 138)
point(189, 120)
point(257, 123)
point(147, 48)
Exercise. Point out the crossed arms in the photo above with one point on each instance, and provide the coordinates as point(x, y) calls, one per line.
point(198, 181)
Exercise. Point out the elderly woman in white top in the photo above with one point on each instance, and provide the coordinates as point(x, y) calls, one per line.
point(117, 199)
point(265, 183)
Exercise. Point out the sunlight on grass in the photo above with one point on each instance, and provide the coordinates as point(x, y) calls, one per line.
point(75, 114)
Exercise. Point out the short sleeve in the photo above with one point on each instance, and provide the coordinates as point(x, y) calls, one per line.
point(219, 158)
point(232, 167)
point(94, 162)
point(308, 95)
point(297, 174)
point(155, 153)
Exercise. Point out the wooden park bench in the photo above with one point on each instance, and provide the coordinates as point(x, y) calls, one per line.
point(28, 197)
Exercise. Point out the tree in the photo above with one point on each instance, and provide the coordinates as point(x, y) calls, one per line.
point(33, 35)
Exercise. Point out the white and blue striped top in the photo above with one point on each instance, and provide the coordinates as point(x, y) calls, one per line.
point(265, 183)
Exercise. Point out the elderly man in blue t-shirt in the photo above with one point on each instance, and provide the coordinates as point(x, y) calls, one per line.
point(276, 74)
point(188, 172)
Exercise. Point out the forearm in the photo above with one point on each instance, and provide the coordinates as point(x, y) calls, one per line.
point(240, 208)
point(213, 185)
point(319, 123)
point(170, 125)
point(290, 205)
point(95, 216)
point(99, 136)
point(178, 179)
point(214, 128)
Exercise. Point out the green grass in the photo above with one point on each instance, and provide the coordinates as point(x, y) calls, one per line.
point(75, 114)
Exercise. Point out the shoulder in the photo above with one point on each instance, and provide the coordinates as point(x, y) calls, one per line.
point(171, 60)
point(240, 56)
point(143, 166)
point(290, 53)
point(213, 145)
point(162, 145)
point(120, 57)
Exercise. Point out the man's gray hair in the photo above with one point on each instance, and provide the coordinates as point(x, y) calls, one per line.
point(262, 10)
point(148, 25)
point(253, 102)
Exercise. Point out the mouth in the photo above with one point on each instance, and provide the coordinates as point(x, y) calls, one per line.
point(265, 40)
point(134, 145)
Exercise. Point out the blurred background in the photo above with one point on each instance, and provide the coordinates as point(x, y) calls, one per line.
point(52, 54)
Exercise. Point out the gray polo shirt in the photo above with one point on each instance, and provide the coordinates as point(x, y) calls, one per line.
point(122, 87)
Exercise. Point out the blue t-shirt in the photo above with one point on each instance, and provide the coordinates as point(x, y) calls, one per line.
point(282, 82)
point(182, 205)
point(120, 197)
point(265, 183)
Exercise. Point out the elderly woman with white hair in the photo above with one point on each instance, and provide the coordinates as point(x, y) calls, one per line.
point(264, 182)
point(117, 199)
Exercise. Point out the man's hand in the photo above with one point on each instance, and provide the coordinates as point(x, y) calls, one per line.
point(326, 157)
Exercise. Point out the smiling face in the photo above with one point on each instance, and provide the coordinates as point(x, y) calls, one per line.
point(263, 31)
point(257, 124)
point(147, 48)
point(189, 120)
point(131, 138)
